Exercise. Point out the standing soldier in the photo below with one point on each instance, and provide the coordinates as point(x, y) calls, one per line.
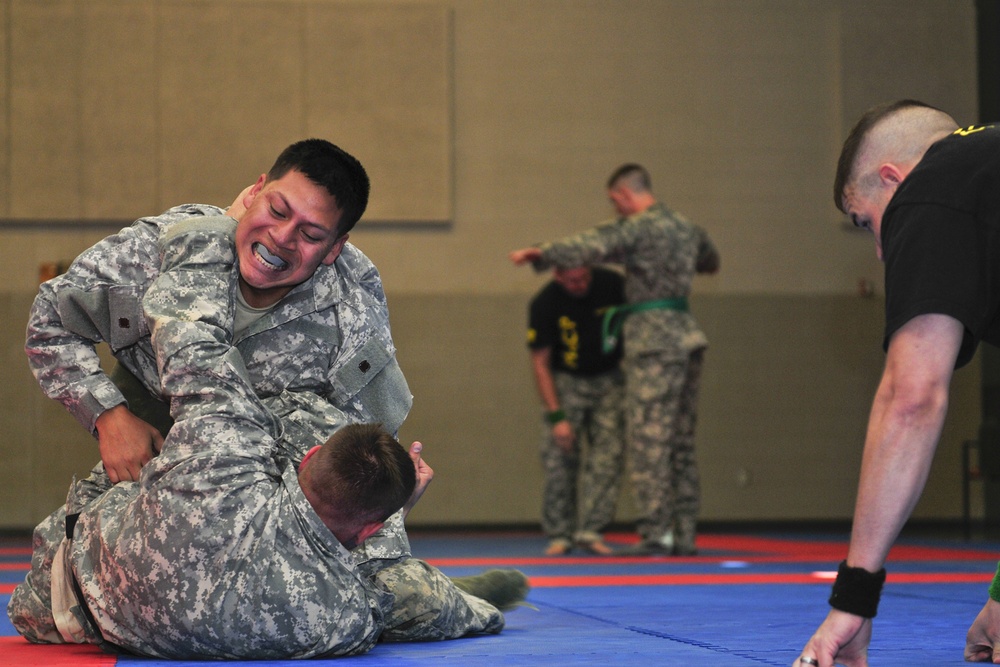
point(660, 251)
point(581, 387)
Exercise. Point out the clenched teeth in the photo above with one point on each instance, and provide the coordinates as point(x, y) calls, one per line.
point(273, 261)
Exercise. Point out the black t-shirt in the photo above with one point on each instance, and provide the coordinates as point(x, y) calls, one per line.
point(941, 239)
point(571, 326)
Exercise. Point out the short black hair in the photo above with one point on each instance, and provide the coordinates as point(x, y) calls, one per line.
point(332, 168)
point(635, 173)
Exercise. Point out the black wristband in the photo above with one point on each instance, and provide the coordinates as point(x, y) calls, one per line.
point(994, 587)
point(857, 591)
point(555, 416)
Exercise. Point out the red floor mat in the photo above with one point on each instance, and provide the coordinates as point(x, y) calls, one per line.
point(16, 652)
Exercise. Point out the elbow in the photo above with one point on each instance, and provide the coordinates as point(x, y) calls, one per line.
point(708, 265)
point(919, 404)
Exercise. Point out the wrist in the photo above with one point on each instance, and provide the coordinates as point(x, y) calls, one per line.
point(995, 586)
point(553, 417)
point(857, 591)
point(110, 413)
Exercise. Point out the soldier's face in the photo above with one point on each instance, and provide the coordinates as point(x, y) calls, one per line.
point(623, 201)
point(865, 204)
point(865, 209)
point(288, 230)
point(576, 282)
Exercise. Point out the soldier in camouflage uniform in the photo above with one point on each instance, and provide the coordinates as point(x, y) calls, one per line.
point(660, 251)
point(326, 332)
point(311, 325)
point(222, 549)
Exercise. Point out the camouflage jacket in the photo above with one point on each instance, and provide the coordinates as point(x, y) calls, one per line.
point(215, 553)
point(329, 336)
point(660, 251)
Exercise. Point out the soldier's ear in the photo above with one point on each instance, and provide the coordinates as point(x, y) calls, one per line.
point(334, 253)
point(308, 456)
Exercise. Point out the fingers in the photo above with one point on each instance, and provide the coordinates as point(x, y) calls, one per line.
point(121, 473)
point(563, 436)
point(523, 256)
point(415, 450)
point(237, 208)
point(979, 654)
point(157, 442)
point(805, 659)
point(127, 469)
point(424, 472)
point(980, 651)
point(133, 473)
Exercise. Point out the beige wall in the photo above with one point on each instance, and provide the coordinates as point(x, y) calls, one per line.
point(738, 107)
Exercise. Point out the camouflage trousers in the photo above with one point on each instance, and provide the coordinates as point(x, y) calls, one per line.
point(31, 606)
point(426, 605)
point(582, 486)
point(661, 399)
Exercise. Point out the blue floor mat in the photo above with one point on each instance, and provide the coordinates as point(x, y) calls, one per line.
point(720, 624)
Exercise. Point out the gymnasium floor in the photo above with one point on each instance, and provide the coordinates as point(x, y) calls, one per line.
point(746, 599)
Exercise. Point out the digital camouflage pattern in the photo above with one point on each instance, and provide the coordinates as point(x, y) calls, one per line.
point(661, 416)
point(304, 358)
point(660, 251)
point(215, 552)
point(426, 604)
point(593, 407)
point(435, 607)
point(329, 336)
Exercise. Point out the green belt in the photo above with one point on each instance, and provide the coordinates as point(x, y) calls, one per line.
point(615, 316)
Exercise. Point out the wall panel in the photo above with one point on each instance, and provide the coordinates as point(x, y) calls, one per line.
point(231, 95)
point(45, 151)
point(4, 114)
point(378, 78)
point(120, 109)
